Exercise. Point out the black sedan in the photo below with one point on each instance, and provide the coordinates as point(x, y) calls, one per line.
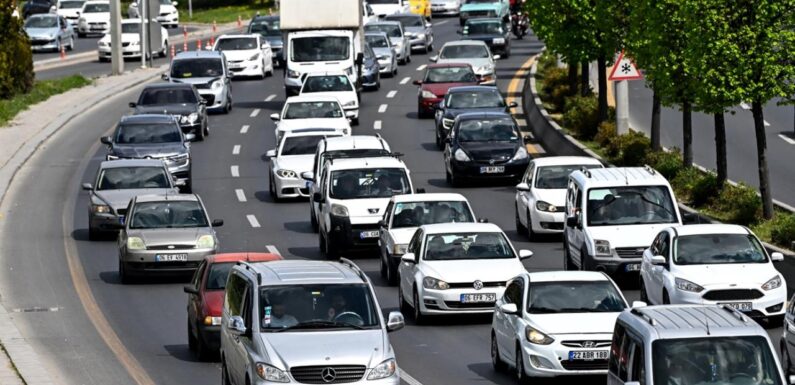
point(178, 99)
point(461, 100)
point(485, 145)
point(491, 31)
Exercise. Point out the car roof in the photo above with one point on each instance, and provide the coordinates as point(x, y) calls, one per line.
point(147, 118)
point(311, 98)
point(383, 22)
point(565, 160)
point(429, 197)
point(306, 271)
point(168, 86)
point(203, 54)
point(464, 42)
point(689, 321)
point(619, 176)
point(354, 142)
point(705, 229)
point(247, 256)
point(443, 228)
point(121, 163)
point(484, 115)
point(560, 276)
point(364, 163)
point(448, 65)
point(166, 197)
point(237, 35)
point(453, 90)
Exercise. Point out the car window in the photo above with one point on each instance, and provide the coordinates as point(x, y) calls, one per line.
point(71, 4)
point(158, 97)
point(416, 241)
point(630, 205)
point(462, 246)
point(555, 177)
point(148, 134)
point(96, 8)
point(574, 297)
point(450, 75)
point(236, 44)
point(235, 288)
point(415, 214)
point(321, 48)
point(369, 183)
point(615, 348)
point(487, 130)
point(464, 51)
point(247, 308)
point(217, 276)
point(377, 41)
point(476, 99)
point(123, 178)
point(335, 83)
point(408, 20)
point(300, 145)
point(707, 249)
point(41, 22)
point(168, 215)
point(638, 367)
point(133, 28)
point(265, 27)
point(197, 68)
point(390, 30)
point(310, 110)
point(309, 308)
point(197, 276)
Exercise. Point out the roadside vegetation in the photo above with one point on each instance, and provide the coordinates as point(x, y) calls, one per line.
point(223, 12)
point(41, 91)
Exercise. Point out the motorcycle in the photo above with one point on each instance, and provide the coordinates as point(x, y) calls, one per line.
point(519, 24)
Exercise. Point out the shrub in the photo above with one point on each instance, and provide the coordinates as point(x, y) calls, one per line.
point(668, 163)
point(684, 183)
point(629, 149)
point(782, 229)
point(738, 204)
point(546, 61)
point(704, 189)
point(16, 60)
point(606, 133)
point(556, 87)
point(581, 116)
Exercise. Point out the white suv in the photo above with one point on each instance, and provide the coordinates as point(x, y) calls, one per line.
point(310, 111)
point(292, 158)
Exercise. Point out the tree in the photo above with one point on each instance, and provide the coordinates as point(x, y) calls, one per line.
point(16, 59)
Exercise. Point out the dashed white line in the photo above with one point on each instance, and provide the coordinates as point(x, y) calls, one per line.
point(405, 80)
point(421, 68)
point(273, 250)
point(786, 139)
point(382, 108)
point(235, 171)
point(409, 379)
point(391, 94)
point(766, 123)
point(236, 149)
point(377, 125)
point(442, 22)
point(271, 97)
point(745, 106)
point(254, 113)
point(244, 129)
point(252, 220)
point(241, 196)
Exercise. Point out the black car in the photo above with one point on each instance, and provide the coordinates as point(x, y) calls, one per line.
point(493, 32)
point(460, 100)
point(371, 71)
point(178, 99)
point(268, 28)
point(33, 7)
point(153, 137)
point(485, 145)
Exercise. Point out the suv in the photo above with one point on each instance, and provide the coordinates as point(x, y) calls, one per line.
point(690, 344)
point(612, 216)
point(324, 328)
point(207, 71)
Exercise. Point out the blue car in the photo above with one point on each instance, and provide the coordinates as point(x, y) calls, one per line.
point(460, 100)
point(268, 28)
point(371, 70)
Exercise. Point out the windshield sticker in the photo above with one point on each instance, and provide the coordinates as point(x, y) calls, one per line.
point(267, 318)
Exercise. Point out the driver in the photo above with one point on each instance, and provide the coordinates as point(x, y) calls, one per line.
point(338, 306)
point(676, 372)
point(278, 316)
point(346, 188)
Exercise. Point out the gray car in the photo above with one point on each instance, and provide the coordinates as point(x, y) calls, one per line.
point(207, 71)
point(419, 31)
point(169, 234)
point(400, 41)
point(268, 28)
point(49, 32)
point(384, 52)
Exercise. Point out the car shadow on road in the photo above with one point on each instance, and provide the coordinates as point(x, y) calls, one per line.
point(82, 235)
point(302, 227)
point(183, 353)
point(486, 371)
point(112, 278)
point(264, 196)
point(430, 146)
point(311, 253)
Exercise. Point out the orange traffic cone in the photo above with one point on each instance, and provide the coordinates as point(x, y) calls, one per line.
point(212, 41)
point(63, 52)
point(199, 45)
point(185, 45)
point(215, 27)
point(185, 32)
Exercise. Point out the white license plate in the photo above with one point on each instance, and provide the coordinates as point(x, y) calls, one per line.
point(588, 355)
point(492, 169)
point(632, 267)
point(171, 257)
point(741, 306)
point(369, 234)
point(474, 298)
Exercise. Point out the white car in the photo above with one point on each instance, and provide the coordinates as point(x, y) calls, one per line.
point(94, 18)
point(556, 323)
point(131, 42)
point(168, 15)
point(310, 112)
point(387, 7)
point(473, 52)
point(456, 268)
point(335, 84)
point(406, 213)
point(540, 199)
point(713, 264)
point(246, 55)
point(294, 157)
point(70, 10)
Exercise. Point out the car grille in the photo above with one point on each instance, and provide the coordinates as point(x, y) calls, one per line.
point(171, 247)
point(39, 42)
point(164, 13)
point(210, 98)
point(630, 252)
point(584, 365)
point(124, 44)
point(336, 374)
point(122, 211)
point(732, 294)
point(167, 265)
point(469, 285)
point(476, 305)
point(586, 343)
point(203, 86)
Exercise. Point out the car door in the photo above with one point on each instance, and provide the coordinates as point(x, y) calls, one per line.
point(789, 330)
point(658, 273)
point(575, 236)
point(524, 198)
point(233, 304)
point(637, 362)
point(504, 327)
point(406, 269)
point(195, 300)
point(324, 206)
point(267, 54)
point(246, 343)
point(385, 240)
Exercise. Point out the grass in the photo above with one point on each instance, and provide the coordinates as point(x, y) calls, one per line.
point(225, 14)
point(42, 90)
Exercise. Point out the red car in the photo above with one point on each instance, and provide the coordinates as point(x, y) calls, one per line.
point(437, 80)
point(206, 299)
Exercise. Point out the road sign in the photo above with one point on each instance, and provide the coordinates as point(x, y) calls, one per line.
point(624, 69)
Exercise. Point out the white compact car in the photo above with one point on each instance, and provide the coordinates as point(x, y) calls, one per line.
point(131, 42)
point(294, 157)
point(335, 84)
point(456, 268)
point(713, 264)
point(556, 323)
point(94, 18)
point(168, 15)
point(70, 10)
point(246, 55)
point(473, 52)
point(310, 111)
point(541, 194)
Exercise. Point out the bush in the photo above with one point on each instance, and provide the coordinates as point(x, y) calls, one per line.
point(581, 116)
point(704, 189)
point(738, 204)
point(546, 61)
point(685, 183)
point(667, 163)
point(556, 87)
point(628, 150)
point(606, 133)
point(782, 229)
point(16, 59)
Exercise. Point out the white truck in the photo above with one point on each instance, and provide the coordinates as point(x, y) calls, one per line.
point(321, 36)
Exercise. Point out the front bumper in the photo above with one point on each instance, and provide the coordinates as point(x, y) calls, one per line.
point(472, 169)
point(770, 305)
point(370, 80)
point(99, 28)
point(126, 51)
point(145, 261)
point(41, 44)
point(216, 99)
point(102, 221)
point(246, 67)
point(553, 360)
point(386, 66)
point(545, 222)
point(451, 9)
point(292, 85)
point(210, 336)
point(170, 19)
point(191, 127)
point(344, 235)
point(391, 380)
point(449, 301)
point(419, 42)
point(290, 187)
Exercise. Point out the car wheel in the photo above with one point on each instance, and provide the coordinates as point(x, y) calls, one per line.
point(225, 374)
point(202, 352)
point(496, 361)
point(447, 177)
point(191, 339)
point(438, 141)
point(81, 35)
point(355, 122)
point(408, 57)
point(200, 134)
point(391, 273)
point(327, 248)
point(228, 106)
point(163, 52)
point(786, 361)
point(520, 228)
point(419, 318)
point(666, 298)
point(272, 188)
point(455, 181)
point(394, 70)
point(775, 321)
point(643, 295)
point(313, 220)
point(584, 265)
point(382, 266)
point(404, 306)
point(531, 235)
point(521, 376)
point(71, 45)
point(206, 128)
point(567, 264)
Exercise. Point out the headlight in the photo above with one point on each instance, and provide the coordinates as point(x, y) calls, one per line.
point(383, 57)
point(461, 156)
point(352, 103)
point(537, 337)
point(293, 74)
point(544, 206)
point(206, 242)
point(135, 243)
point(135, 43)
point(498, 40)
point(254, 57)
point(212, 321)
point(270, 373)
point(521, 154)
point(773, 283)
point(410, 34)
point(399, 249)
point(111, 157)
point(103, 44)
point(287, 174)
point(178, 158)
point(602, 247)
point(81, 21)
point(383, 370)
point(428, 94)
point(433, 283)
point(447, 123)
point(339, 210)
point(420, 36)
point(192, 118)
point(685, 285)
point(100, 209)
point(217, 85)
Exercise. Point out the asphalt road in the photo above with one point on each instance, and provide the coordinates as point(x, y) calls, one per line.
point(44, 229)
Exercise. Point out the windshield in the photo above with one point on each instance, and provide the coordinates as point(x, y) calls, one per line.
point(320, 48)
point(148, 134)
point(124, 178)
point(42, 22)
point(377, 41)
point(216, 277)
point(475, 99)
point(709, 249)
point(390, 30)
point(196, 68)
point(470, 51)
point(335, 83)
point(574, 297)
point(236, 44)
point(71, 4)
point(168, 215)
point(301, 145)
point(631, 205)
point(130, 28)
point(450, 75)
point(483, 28)
point(369, 183)
point(487, 130)
point(735, 360)
point(407, 21)
point(415, 214)
point(309, 110)
point(265, 27)
point(313, 307)
point(165, 2)
point(456, 246)
point(556, 177)
point(158, 97)
point(96, 8)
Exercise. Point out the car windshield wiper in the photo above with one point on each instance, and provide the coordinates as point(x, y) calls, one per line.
point(542, 310)
point(647, 200)
point(319, 324)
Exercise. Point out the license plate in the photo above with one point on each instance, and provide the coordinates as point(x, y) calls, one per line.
point(741, 306)
point(171, 257)
point(474, 298)
point(492, 169)
point(588, 355)
point(632, 267)
point(369, 234)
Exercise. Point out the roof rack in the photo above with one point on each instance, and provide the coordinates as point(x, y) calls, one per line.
point(736, 313)
point(356, 269)
point(250, 268)
point(585, 171)
point(332, 156)
point(649, 169)
point(645, 317)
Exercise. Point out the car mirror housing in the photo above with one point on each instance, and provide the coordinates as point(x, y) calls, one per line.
point(236, 325)
point(190, 137)
point(408, 257)
point(658, 260)
point(525, 254)
point(308, 176)
point(270, 153)
point(509, 308)
point(512, 105)
point(87, 186)
point(571, 221)
point(275, 117)
point(777, 257)
point(133, 104)
point(164, 77)
point(395, 321)
point(317, 197)
point(106, 140)
point(417, 82)
point(433, 59)
point(523, 187)
point(190, 290)
point(218, 222)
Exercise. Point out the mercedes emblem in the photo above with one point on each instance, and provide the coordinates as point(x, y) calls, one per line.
point(477, 285)
point(491, 161)
point(328, 374)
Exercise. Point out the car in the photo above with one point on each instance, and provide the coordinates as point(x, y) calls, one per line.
point(165, 234)
point(471, 9)
point(485, 145)
point(153, 137)
point(371, 71)
point(400, 41)
point(459, 100)
point(540, 199)
point(473, 52)
point(337, 85)
point(384, 51)
point(419, 31)
point(48, 31)
point(437, 80)
point(613, 215)
point(555, 323)
point(787, 340)
point(456, 268)
point(445, 7)
point(246, 55)
point(327, 324)
point(494, 32)
point(118, 181)
point(405, 214)
point(167, 16)
point(70, 10)
point(206, 299)
point(268, 27)
point(714, 264)
point(131, 42)
point(35, 7)
point(207, 71)
point(383, 8)
point(293, 157)
point(178, 99)
point(310, 111)
point(94, 18)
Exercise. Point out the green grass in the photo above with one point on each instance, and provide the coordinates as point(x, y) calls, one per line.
point(225, 14)
point(42, 90)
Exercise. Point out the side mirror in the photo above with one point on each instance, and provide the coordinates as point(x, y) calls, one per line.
point(509, 308)
point(428, 25)
point(350, 114)
point(230, 74)
point(190, 137)
point(275, 117)
point(524, 254)
point(359, 58)
point(106, 140)
point(317, 197)
point(174, 3)
point(496, 57)
point(777, 257)
point(408, 257)
point(236, 325)
point(190, 290)
point(381, 224)
point(638, 304)
point(308, 176)
point(265, 46)
point(657, 260)
point(88, 187)
point(417, 82)
point(460, 32)
point(483, 220)
point(395, 321)
point(218, 222)
point(133, 104)
point(527, 139)
point(512, 105)
point(571, 221)
point(523, 187)
point(164, 77)
point(690, 218)
point(791, 379)
point(420, 190)
point(434, 58)
point(270, 153)
point(180, 183)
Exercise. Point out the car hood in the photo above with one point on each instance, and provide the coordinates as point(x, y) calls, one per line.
point(237, 55)
point(291, 124)
point(575, 323)
point(414, 29)
point(383, 51)
point(366, 210)
point(201, 80)
point(95, 17)
point(167, 8)
point(148, 150)
point(486, 270)
point(484, 38)
point(338, 347)
point(213, 302)
point(485, 151)
point(167, 109)
point(274, 41)
point(555, 197)
point(751, 274)
point(164, 237)
point(43, 32)
point(474, 62)
point(343, 97)
point(69, 12)
point(297, 163)
point(628, 235)
point(402, 236)
point(440, 89)
point(119, 199)
point(480, 7)
point(453, 112)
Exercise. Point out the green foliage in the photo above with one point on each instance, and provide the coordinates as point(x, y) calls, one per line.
point(667, 163)
point(546, 61)
point(686, 183)
point(738, 204)
point(555, 87)
point(782, 229)
point(581, 116)
point(42, 90)
point(16, 59)
point(629, 150)
point(225, 13)
point(606, 133)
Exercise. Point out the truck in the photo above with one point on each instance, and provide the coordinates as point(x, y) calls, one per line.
point(321, 36)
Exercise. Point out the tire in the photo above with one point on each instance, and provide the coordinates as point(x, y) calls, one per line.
point(786, 361)
point(643, 295)
point(775, 321)
point(408, 57)
point(496, 361)
point(391, 273)
point(520, 228)
point(200, 134)
point(666, 299)
point(202, 352)
point(206, 129)
point(224, 373)
point(394, 70)
point(228, 106)
point(521, 376)
point(71, 46)
point(81, 35)
point(313, 220)
point(404, 306)
point(567, 264)
point(328, 249)
point(419, 318)
point(272, 188)
point(355, 122)
point(454, 180)
point(584, 265)
point(447, 177)
point(382, 264)
point(191, 339)
point(438, 141)
point(531, 235)
point(163, 52)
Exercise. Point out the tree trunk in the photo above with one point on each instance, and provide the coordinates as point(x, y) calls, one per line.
point(687, 135)
point(602, 69)
point(585, 79)
point(572, 79)
point(720, 148)
point(761, 158)
point(655, 122)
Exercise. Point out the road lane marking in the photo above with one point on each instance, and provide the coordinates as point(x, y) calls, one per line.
point(236, 149)
point(513, 89)
point(443, 22)
point(766, 123)
point(382, 108)
point(377, 125)
point(254, 113)
point(273, 250)
point(405, 80)
point(422, 67)
point(786, 139)
point(235, 171)
point(271, 97)
point(241, 196)
point(244, 129)
point(409, 379)
point(391, 94)
point(745, 106)
point(252, 220)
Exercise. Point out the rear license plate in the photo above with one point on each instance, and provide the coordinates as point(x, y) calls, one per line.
point(588, 355)
point(171, 257)
point(368, 234)
point(492, 169)
point(632, 267)
point(741, 306)
point(474, 298)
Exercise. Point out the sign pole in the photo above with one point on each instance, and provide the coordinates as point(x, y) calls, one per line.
point(622, 107)
point(116, 58)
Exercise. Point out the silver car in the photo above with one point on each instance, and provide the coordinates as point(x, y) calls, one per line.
point(49, 32)
point(384, 51)
point(419, 31)
point(208, 72)
point(168, 233)
point(400, 41)
point(445, 7)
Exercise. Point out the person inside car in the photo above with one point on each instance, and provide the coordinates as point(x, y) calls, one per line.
point(278, 317)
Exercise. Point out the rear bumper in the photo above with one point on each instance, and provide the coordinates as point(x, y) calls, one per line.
point(345, 236)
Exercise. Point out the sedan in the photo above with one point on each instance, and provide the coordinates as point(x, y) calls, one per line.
point(473, 52)
point(460, 100)
point(295, 155)
point(337, 85)
point(50, 32)
point(70, 10)
point(131, 42)
point(419, 31)
point(35, 7)
point(493, 32)
point(445, 7)
point(398, 38)
point(310, 111)
point(268, 27)
point(384, 51)
point(485, 146)
point(246, 55)
point(437, 79)
point(178, 99)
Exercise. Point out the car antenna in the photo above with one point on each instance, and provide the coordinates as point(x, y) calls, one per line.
point(706, 320)
point(626, 178)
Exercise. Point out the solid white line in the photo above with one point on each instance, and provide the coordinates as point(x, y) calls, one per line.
point(236, 149)
point(409, 379)
point(377, 125)
point(235, 171)
point(382, 108)
point(244, 129)
point(422, 67)
point(252, 220)
point(786, 139)
point(391, 94)
point(766, 123)
point(271, 97)
point(405, 80)
point(254, 113)
point(745, 106)
point(241, 196)
point(273, 250)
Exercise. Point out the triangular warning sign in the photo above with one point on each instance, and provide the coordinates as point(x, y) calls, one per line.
point(624, 69)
